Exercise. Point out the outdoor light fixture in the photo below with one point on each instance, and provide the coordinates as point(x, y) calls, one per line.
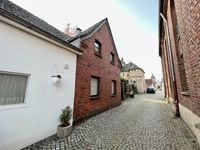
point(56, 78)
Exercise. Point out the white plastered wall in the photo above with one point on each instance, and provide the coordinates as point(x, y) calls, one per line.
point(22, 52)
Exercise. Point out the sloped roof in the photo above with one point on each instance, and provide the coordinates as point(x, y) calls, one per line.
point(25, 18)
point(89, 31)
point(130, 66)
point(153, 77)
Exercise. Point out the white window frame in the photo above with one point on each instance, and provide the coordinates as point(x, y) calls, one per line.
point(20, 105)
point(112, 58)
point(98, 47)
point(98, 79)
point(113, 82)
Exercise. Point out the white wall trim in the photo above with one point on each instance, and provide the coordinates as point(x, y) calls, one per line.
point(24, 53)
point(12, 23)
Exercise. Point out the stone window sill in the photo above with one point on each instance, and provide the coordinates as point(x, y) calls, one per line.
point(112, 63)
point(98, 55)
point(113, 95)
point(185, 93)
point(95, 97)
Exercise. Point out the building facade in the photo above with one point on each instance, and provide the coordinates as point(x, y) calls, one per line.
point(151, 83)
point(134, 75)
point(179, 35)
point(30, 103)
point(98, 85)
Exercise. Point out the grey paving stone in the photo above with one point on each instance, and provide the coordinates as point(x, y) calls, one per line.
point(143, 123)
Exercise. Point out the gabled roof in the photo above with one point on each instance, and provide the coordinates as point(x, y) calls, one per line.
point(89, 31)
point(130, 66)
point(27, 19)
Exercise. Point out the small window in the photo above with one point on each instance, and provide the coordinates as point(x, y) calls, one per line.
point(113, 88)
point(94, 89)
point(112, 58)
point(12, 88)
point(97, 48)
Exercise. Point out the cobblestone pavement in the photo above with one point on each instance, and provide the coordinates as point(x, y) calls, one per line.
point(145, 122)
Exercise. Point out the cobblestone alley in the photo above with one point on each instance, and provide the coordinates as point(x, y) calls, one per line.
point(145, 122)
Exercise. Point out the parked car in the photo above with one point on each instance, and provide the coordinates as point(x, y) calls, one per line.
point(151, 90)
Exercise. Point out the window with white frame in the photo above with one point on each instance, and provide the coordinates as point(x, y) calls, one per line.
point(94, 88)
point(112, 58)
point(113, 88)
point(97, 47)
point(12, 88)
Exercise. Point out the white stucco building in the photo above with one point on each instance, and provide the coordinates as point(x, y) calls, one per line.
point(134, 75)
point(32, 52)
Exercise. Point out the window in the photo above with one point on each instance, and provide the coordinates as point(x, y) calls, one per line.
point(97, 47)
point(112, 58)
point(113, 88)
point(94, 89)
point(12, 88)
point(179, 52)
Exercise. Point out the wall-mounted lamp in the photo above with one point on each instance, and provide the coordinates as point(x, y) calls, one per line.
point(56, 78)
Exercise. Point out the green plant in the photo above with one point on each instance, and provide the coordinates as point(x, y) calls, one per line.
point(65, 116)
point(134, 88)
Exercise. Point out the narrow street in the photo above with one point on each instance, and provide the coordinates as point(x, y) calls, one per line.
point(145, 122)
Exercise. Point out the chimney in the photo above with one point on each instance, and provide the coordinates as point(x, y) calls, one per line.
point(78, 31)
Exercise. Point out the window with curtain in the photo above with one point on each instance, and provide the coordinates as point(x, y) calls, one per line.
point(113, 88)
point(12, 88)
point(94, 89)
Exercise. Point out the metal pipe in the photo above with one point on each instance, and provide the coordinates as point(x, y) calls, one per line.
point(169, 45)
point(177, 113)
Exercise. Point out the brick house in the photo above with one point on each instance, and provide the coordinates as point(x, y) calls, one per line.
point(151, 83)
point(98, 71)
point(179, 41)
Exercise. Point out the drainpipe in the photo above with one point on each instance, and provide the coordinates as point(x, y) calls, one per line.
point(177, 113)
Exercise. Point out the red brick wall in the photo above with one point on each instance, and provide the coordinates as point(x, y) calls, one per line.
point(91, 65)
point(188, 19)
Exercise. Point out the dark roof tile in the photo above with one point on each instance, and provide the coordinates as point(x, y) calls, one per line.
point(20, 15)
point(89, 30)
point(130, 66)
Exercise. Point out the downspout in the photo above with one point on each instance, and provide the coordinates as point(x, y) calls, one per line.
point(177, 113)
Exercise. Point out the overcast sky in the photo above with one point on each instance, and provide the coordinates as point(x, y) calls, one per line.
point(134, 24)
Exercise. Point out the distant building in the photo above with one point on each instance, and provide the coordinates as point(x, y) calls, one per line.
point(159, 85)
point(153, 79)
point(151, 83)
point(134, 75)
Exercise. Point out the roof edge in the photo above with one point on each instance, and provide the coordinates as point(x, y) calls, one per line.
point(85, 36)
point(37, 29)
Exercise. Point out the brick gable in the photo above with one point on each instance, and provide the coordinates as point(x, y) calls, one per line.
point(90, 64)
